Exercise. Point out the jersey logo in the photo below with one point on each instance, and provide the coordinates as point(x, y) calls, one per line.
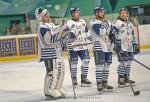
point(122, 25)
point(73, 26)
point(106, 24)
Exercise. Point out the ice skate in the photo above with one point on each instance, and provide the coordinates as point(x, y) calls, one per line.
point(52, 94)
point(62, 92)
point(126, 80)
point(85, 82)
point(100, 87)
point(121, 83)
point(106, 86)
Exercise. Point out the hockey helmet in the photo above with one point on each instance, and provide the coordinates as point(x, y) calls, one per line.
point(98, 8)
point(123, 9)
point(73, 9)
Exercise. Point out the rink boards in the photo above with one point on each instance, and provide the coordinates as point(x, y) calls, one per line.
point(17, 47)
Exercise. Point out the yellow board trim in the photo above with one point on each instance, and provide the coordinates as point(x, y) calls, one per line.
point(14, 58)
point(25, 57)
point(144, 46)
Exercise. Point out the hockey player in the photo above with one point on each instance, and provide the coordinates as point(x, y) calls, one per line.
point(49, 51)
point(78, 31)
point(125, 44)
point(102, 47)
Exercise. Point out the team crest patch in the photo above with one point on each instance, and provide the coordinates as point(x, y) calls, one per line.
point(122, 31)
point(73, 25)
point(122, 25)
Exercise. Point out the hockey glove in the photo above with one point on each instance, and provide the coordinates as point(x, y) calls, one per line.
point(136, 49)
point(117, 47)
point(111, 37)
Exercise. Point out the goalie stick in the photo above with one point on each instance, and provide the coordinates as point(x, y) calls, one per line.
point(81, 44)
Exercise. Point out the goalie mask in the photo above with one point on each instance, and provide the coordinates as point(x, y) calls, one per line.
point(40, 12)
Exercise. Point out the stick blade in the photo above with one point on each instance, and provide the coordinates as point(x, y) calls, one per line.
point(137, 93)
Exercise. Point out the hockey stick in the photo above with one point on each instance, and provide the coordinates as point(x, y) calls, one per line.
point(81, 44)
point(134, 92)
point(138, 61)
point(74, 93)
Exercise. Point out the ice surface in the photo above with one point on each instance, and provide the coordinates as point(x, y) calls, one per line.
point(22, 81)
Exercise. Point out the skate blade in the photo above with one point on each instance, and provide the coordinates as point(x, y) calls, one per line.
point(100, 92)
point(108, 90)
point(121, 86)
point(128, 85)
point(47, 97)
point(86, 85)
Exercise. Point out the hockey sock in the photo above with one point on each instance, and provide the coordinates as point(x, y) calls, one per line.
point(99, 73)
point(84, 67)
point(106, 71)
point(121, 69)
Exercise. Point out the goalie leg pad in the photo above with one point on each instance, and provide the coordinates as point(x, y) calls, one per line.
point(51, 72)
point(49, 65)
point(49, 87)
point(61, 72)
point(50, 80)
point(62, 92)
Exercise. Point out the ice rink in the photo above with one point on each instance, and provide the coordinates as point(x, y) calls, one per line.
point(22, 81)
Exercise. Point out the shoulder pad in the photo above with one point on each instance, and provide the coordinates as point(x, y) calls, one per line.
point(117, 23)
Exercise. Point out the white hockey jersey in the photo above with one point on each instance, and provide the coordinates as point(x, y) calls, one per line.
point(100, 31)
point(79, 30)
point(48, 41)
point(124, 31)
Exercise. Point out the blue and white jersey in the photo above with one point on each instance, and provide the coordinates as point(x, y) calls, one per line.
point(124, 34)
point(48, 41)
point(100, 31)
point(78, 34)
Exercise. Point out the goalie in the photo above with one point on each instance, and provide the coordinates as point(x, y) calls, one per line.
point(49, 51)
